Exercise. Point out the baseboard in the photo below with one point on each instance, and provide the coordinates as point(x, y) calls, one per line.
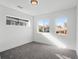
point(15, 46)
point(52, 45)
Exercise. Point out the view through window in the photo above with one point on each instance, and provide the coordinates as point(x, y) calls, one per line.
point(43, 25)
point(61, 26)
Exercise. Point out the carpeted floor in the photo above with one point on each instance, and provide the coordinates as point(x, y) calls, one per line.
point(35, 50)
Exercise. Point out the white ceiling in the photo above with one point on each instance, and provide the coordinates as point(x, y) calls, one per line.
point(45, 6)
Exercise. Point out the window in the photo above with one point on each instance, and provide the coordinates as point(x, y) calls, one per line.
point(16, 21)
point(61, 26)
point(43, 25)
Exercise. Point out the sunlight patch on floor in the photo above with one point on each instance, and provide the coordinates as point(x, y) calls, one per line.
point(54, 40)
point(62, 56)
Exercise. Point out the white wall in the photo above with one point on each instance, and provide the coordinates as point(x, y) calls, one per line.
point(13, 36)
point(69, 41)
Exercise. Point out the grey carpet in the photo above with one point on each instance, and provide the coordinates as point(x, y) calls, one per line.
point(35, 50)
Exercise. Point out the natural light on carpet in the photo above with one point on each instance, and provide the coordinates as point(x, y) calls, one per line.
point(54, 40)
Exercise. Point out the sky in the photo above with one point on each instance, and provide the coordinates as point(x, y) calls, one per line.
point(58, 21)
point(61, 20)
point(44, 22)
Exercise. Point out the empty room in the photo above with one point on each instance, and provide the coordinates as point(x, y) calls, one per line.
point(38, 29)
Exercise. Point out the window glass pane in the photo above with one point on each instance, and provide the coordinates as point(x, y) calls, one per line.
point(43, 25)
point(61, 26)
